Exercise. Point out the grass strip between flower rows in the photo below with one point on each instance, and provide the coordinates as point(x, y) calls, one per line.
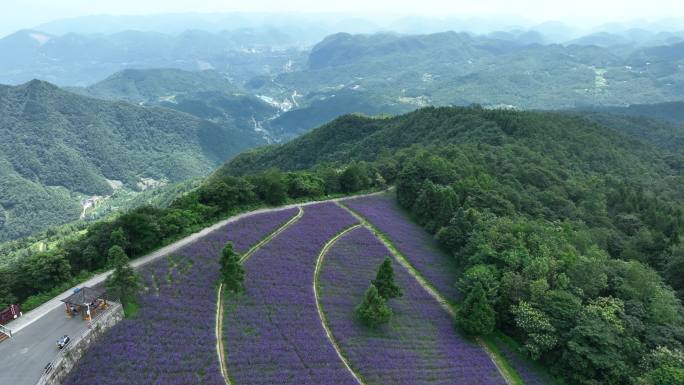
point(270, 237)
point(219, 335)
point(509, 374)
point(220, 349)
point(321, 314)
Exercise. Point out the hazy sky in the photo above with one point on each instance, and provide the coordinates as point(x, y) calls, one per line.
point(18, 14)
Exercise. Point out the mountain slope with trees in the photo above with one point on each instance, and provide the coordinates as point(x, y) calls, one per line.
point(460, 69)
point(568, 232)
point(206, 94)
point(151, 86)
point(56, 148)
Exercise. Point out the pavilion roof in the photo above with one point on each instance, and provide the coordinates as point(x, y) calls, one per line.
point(83, 296)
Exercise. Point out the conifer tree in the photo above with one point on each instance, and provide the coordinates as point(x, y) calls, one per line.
point(384, 281)
point(476, 316)
point(232, 272)
point(373, 311)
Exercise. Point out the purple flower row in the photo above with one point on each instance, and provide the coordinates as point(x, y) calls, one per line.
point(420, 345)
point(171, 340)
point(273, 334)
point(422, 251)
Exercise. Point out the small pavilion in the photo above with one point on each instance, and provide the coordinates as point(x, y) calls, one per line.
point(85, 301)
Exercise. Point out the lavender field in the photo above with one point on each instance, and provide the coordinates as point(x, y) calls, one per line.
point(171, 341)
point(420, 345)
point(272, 332)
point(439, 269)
point(416, 244)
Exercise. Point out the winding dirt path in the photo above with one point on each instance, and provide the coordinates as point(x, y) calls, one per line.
point(219, 336)
point(319, 308)
point(448, 307)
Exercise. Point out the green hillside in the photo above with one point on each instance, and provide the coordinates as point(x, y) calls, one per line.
point(571, 228)
point(565, 232)
point(556, 166)
point(205, 94)
point(557, 136)
point(57, 148)
point(672, 111)
point(158, 85)
point(321, 108)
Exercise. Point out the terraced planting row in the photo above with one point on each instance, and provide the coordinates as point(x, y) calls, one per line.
point(418, 346)
point(171, 340)
point(411, 240)
point(272, 333)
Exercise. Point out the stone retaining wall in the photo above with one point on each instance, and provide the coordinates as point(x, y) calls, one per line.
point(67, 359)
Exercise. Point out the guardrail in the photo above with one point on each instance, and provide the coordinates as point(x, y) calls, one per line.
point(6, 331)
point(92, 325)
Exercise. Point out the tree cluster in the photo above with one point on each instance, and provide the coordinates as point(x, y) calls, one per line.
point(374, 310)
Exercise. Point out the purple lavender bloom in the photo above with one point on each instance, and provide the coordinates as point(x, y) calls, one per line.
point(530, 374)
point(421, 250)
point(423, 253)
point(273, 334)
point(171, 341)
point(420, 345)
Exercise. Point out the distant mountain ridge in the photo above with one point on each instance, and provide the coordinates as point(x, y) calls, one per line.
point(76, 59)
point(56, 148)
point(460, 69)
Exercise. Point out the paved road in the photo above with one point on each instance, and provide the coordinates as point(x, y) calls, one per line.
point(23, 357)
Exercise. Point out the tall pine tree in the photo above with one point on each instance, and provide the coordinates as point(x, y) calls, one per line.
point(384, 281)
point(373, 311)
point(232, 272)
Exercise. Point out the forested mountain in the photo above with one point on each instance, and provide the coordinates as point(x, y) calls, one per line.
point(461, 69)
point(57, 148)
point(570, 227)
point(661, 125)
point(209, 95)
point(205, 94)
point(363, 138)
point(671, 112)
point(152, 86)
